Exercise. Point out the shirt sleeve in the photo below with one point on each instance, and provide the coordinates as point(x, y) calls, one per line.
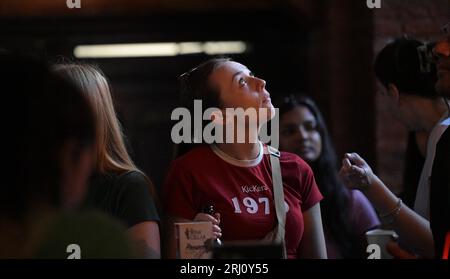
point(137, 204)
point(364, 216)
point(308, 188)
point(178, 192)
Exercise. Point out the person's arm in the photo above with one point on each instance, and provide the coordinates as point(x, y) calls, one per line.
point(412, 228)
point(313, 241)
point(397, 252)
point(146, 239)
point(137, 208)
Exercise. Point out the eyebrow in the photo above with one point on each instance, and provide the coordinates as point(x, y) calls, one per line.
point(290, 125)
point(238, 73)
point(294, 124)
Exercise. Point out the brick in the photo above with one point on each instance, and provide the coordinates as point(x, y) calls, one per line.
point(421, 26)
point(388, 27)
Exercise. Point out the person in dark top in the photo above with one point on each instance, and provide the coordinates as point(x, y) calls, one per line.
point(440, 176)
point(428, 238)
point(440, 173)
point(347, 214)
point(409, 82)
point(118, 187)
point(84, 235)
point(123, 196)
point(414, 161)
point(50, 139)
point(440, 196)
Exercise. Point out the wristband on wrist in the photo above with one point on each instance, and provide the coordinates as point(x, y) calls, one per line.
point(391, 216)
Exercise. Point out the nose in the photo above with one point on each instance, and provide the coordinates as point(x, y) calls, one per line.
point(442, 48)
point(260, 84)
point(302, 133)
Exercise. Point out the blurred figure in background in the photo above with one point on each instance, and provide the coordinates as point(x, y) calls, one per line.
point(346, 214)
point(117, 187)
point(409, 80)
point(51, 136)
point(440, 175)
point(417, 112)
point(414, 159)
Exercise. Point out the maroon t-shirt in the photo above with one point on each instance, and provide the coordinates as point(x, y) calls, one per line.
point(242, 192)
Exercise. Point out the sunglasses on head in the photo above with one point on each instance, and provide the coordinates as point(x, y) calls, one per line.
point(186, 75)
point(426, 57)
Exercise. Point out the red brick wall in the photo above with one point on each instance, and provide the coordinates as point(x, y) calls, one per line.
point(340, 70)
point(422, 20)
point(345, 37)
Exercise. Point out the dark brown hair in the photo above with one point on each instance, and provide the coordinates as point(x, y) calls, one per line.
point(195, 85)
point(335, 207)
point(401, 63)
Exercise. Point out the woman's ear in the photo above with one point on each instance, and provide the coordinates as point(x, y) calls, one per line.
point(393, 92)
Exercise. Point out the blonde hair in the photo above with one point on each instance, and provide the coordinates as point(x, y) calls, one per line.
point(112, 155)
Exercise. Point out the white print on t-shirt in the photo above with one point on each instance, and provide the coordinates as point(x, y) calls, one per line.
point(252, 206)
point(254, 188)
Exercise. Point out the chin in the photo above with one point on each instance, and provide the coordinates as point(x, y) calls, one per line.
point(270, 113)
point(306, 157)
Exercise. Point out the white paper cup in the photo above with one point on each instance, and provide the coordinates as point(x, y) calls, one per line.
point(381, 238)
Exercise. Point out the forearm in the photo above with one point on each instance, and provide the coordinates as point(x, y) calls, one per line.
point(313, 240)
point(414, 230)
point(312, 250)
point(146, 239)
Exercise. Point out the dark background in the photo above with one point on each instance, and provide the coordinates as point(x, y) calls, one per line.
point(324, 48)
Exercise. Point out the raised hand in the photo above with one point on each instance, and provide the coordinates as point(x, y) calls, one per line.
point(355, 172)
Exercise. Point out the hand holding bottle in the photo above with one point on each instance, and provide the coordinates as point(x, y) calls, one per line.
point(212, 217)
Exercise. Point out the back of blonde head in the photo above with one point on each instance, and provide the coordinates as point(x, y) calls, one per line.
point(112, 155)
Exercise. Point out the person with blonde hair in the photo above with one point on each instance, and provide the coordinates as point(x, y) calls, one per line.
point(51, 137)
point(117, 187)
